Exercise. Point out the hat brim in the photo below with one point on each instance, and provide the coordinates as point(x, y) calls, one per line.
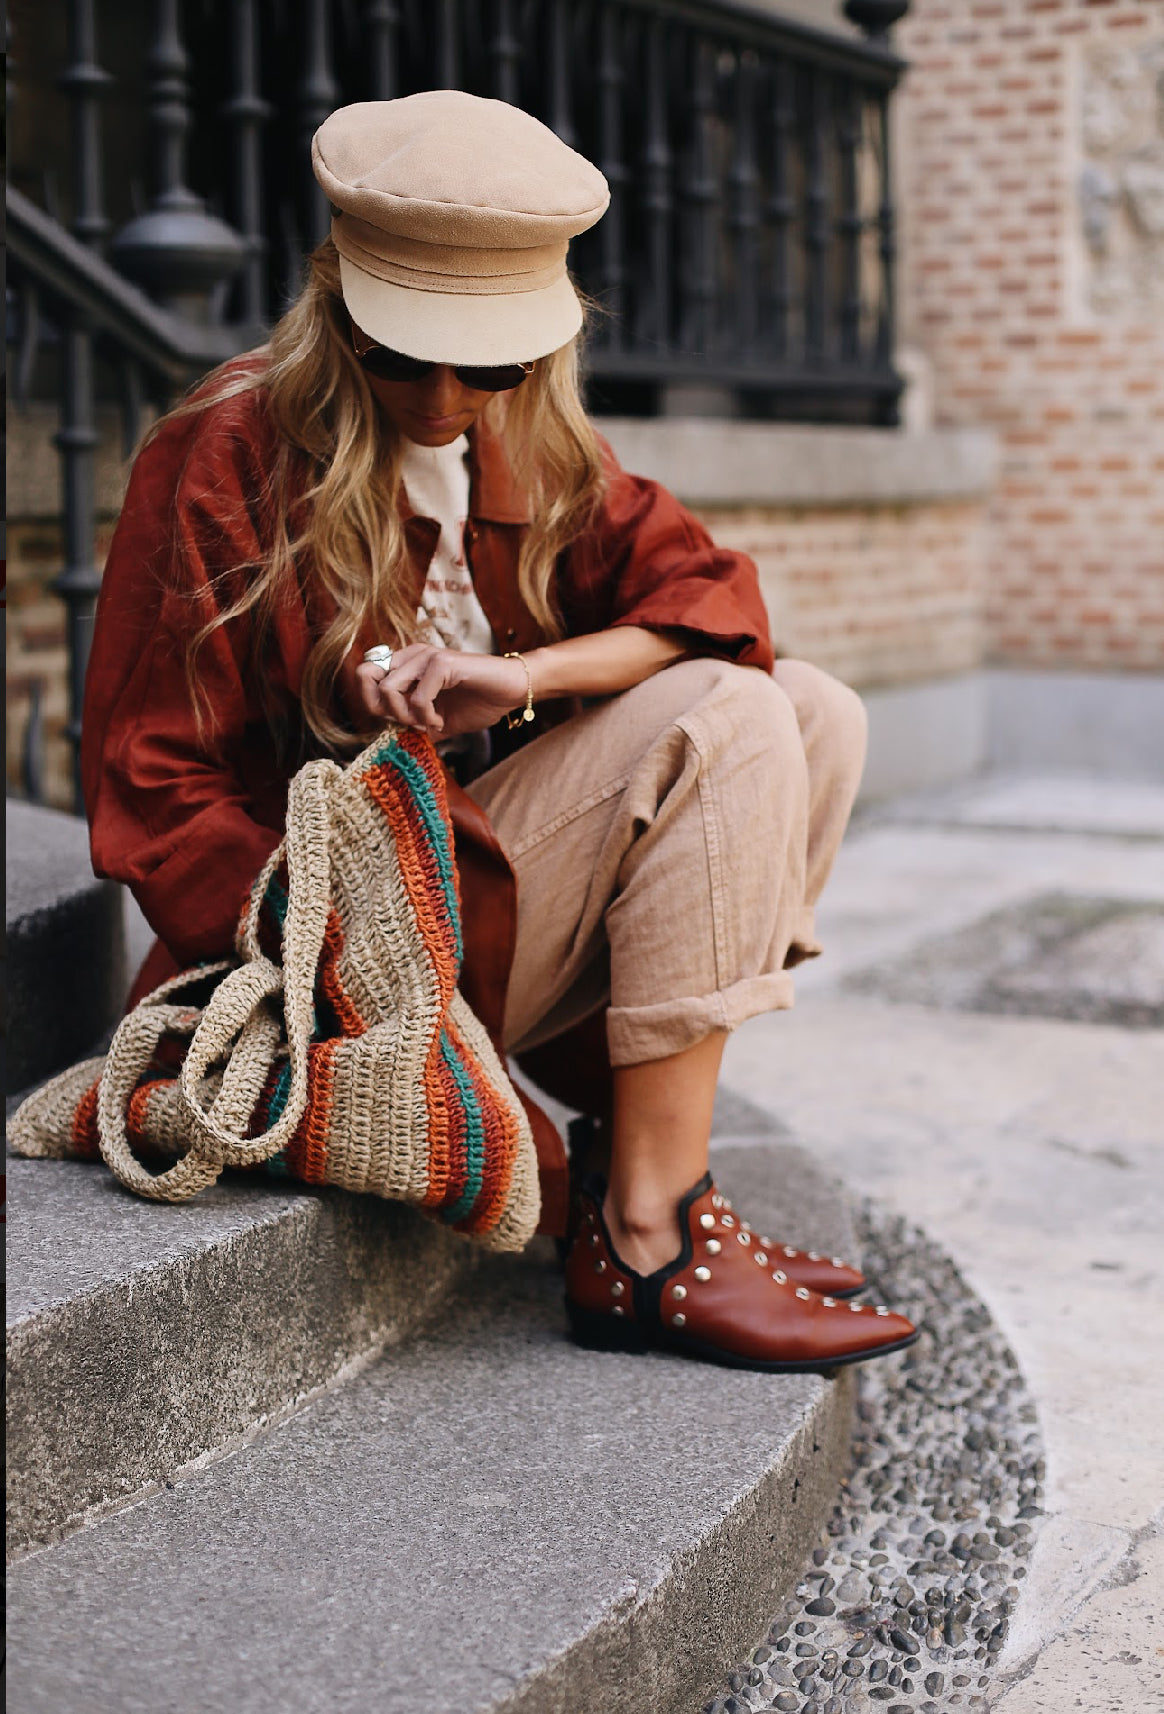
point(462, 327)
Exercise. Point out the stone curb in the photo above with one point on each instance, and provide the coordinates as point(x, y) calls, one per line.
point(725, 463)
point(65, 945)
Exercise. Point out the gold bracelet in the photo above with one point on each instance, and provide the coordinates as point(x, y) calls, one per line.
point(513, 720)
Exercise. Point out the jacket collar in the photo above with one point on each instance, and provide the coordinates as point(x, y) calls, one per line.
point(494, 494)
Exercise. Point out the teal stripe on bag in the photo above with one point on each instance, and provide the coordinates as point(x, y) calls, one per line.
point(474, 1135)
point(277, 899)
point(435, 825)
point(278, 1163)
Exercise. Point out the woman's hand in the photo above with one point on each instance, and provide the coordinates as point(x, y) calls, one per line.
point(443, 692)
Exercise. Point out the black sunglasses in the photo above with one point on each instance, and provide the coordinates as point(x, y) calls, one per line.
point(388, 365)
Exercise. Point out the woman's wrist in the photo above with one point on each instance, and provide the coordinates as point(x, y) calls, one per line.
point(602, 663)
point(522, 710)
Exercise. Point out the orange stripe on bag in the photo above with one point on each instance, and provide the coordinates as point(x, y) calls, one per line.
point(330, 981)
point(86, 1142)
point(307, 1151)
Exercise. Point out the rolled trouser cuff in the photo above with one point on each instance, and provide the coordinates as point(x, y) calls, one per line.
point(638, 1033)
point(804, 943)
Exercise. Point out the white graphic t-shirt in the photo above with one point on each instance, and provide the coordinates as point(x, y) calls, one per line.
point(436, 480)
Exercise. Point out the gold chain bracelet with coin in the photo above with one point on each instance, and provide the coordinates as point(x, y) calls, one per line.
point(516, 717)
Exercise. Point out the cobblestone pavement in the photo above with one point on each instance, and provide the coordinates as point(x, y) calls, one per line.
point(907, 1601)
point(981, 1052)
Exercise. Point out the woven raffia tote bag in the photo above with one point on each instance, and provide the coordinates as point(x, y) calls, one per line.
point(338, 1049)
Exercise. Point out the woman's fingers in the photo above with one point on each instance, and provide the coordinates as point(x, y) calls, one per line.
point(413, 687)
point(369, 678)
point(397, 702)
point(408, 693)
point(432, 678)
point(396, 695)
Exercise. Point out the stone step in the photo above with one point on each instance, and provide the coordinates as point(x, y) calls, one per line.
point(143, 1336)
point(66, 959)
point(485, 1518)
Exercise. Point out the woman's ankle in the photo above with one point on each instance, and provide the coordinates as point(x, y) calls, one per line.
point(646, 1235)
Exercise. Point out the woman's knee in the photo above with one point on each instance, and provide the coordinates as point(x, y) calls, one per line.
point(832, 718)
point(712, 697)
point(748, 692)
point(742, 726)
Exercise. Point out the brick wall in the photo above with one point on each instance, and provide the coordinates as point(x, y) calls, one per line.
point(1031, 163)
point(36, 652)
point(35, 648)
point(878, 595)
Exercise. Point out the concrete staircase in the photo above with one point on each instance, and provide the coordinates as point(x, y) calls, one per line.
point(295, 1451)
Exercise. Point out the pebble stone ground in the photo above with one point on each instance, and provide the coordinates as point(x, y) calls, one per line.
point(906, 1603)
point(981, 1053)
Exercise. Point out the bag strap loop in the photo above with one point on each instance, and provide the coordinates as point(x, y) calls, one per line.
point(234, 1008)
point(240, 1027)
point(130, 1052)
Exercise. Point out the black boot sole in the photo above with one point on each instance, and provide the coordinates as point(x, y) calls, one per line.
point(598, 1331)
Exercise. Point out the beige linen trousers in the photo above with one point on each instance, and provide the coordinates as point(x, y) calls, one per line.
point(669, 846)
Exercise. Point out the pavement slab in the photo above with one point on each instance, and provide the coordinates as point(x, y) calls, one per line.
point(909, 1594)
point(1059, 803)
point(1032, 1148)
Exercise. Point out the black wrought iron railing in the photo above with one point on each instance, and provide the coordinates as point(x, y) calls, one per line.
point(162, 201)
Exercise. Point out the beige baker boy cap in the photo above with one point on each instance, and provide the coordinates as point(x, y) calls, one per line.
point(452, 215)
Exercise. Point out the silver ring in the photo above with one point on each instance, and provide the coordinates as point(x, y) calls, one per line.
point(380, 656)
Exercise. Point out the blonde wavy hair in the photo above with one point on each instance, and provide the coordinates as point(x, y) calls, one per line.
point(350, 532)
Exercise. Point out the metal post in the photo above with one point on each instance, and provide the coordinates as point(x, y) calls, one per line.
point(745, 217)
point(849, 224)
point(177, 250)
point(448, 76)
point(561, 120)
point(80, 580)
point(382, 20)
point(76, 439)
point(610, 230)
point(505, 53)
point(887, 251)
point(699, 191)
point(318, 95)
point(85, 82)
point(816, 225)
point(246, 112)
point(657, 200)
point(781, 208)
point(877, 18)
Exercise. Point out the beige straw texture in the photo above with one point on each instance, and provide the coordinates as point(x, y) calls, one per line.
point(369, 1106)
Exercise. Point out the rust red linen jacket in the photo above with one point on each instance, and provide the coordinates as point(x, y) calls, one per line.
point(187, 824)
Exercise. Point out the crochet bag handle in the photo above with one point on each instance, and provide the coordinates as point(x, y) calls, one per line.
point(234, 1020)
point(239, 1025)
point(130, 1052)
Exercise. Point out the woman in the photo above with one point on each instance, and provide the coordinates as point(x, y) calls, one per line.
point(397, 510)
